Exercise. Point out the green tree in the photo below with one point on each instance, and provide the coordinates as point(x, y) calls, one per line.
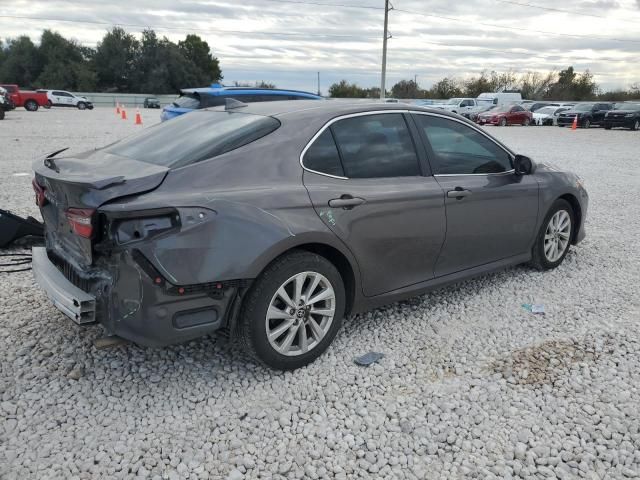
point(66, 64)
point(446, 88)
point(406, 89)
point(115, 60)
point(198, 52)
point(344, 89)
point(21, 63)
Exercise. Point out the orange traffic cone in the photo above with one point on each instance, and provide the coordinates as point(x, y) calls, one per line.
point(138, 117)
point(124, 113)
point(117, 108)
point(574, 125)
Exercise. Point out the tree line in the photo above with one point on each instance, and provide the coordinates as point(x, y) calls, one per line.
point(564, 85)
point(119, 63)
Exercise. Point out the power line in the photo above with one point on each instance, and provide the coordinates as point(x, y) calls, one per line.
point(138, 25)
point(561, 10)
point(321, 4)
point(517, 29)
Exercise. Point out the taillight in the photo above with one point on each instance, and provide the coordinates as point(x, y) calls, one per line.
point(41, 200)
point(81, 221)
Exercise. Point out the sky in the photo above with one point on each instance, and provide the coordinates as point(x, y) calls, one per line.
point(286, 42)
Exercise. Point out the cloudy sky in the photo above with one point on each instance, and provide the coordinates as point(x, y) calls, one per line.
point(287, 41)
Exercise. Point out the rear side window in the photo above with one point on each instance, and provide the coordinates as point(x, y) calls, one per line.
point(323, 157)
point(211, 101)
point(374, 146)
point(192, 138)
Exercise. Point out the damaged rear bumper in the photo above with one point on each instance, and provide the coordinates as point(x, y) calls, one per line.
point(130, 301)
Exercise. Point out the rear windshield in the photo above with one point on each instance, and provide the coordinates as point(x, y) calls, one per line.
point(189, 100)
point(195, 137)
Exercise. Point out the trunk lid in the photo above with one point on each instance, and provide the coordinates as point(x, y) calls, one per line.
point(83, 183)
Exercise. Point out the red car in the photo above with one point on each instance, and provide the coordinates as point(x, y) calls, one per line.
point(31, 101)
point(506, 115)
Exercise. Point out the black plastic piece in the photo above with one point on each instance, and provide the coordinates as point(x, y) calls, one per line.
point(13, 227)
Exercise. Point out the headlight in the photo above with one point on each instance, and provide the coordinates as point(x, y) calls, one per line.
point(629, 115)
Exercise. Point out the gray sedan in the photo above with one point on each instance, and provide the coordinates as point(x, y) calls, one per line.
point(272, 222)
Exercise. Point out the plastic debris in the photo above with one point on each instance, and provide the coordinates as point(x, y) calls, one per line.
point(368, 358)
point(537, 309)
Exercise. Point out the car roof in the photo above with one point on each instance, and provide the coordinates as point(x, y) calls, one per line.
point(294, 110)
point(218, 90)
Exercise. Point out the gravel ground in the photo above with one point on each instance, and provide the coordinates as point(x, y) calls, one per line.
point(472, 385)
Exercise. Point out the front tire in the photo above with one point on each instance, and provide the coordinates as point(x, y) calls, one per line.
point(555, 235)
point(1, 114)
point(586, 123)
point(31, 105)
point(293, 311)
point(503, 122)
point(526, 122)
point(82, 106)
point(636, 125)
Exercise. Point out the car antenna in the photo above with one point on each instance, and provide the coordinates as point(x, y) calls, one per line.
point(232, 103)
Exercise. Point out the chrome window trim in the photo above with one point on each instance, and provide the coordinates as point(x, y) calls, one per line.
point(483, 133)
point(331, 122)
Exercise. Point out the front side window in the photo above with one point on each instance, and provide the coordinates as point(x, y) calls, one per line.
point(374, 146)
point(193, 138)
point(460, 150)
point(323, 157)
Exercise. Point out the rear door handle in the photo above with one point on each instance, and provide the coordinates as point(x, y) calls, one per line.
point(458, 193)
point(346, 201)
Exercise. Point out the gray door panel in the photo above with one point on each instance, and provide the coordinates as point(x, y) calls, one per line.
point(495, 220)
point(397, 232)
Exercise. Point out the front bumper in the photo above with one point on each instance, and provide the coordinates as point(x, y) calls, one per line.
point(120, 293)
point(488, 121)
point(567, 121)
point(619, 122)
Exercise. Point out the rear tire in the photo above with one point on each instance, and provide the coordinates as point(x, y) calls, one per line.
point(503, 122)
point(285, 333)
point(586, 123)
point(31, 105)
point(636, 125)
point(526, 122)
point(607, 127)
point(553, 242)
point(1, 114)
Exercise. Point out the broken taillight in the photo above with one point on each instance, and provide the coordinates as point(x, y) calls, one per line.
point(81, 221)
point(41, 200)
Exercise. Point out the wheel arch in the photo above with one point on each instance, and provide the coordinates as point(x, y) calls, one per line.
point(577, 211)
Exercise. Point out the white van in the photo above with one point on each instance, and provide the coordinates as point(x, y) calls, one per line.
point(500, 98)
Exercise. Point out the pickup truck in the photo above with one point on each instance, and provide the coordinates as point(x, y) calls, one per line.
point(458, 105)
point(30, 100)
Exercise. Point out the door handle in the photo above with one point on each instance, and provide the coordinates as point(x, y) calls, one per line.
point(458, 193)
point(346, 201)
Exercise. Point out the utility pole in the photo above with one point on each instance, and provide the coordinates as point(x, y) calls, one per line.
point(318, 83)
point(384, 49)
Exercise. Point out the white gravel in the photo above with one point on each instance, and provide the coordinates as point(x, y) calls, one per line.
point(472, 385)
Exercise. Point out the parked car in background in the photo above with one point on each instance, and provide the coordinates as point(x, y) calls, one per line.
point(6, 100)
point(625, 115)
point(588, 113)
point(216, 95)
point(458, 105)
point(500, 98)
point(3, 104)
point(62, 98)
point(548, 115)
point(168, 252)
point(473, 113)
point(151, 102)
point(28, 99)
point(506, 115)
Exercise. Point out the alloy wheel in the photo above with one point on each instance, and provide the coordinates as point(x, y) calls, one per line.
point(557, 236)
point(300, 313)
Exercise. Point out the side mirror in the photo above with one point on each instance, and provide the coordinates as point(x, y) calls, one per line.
point(523, 165)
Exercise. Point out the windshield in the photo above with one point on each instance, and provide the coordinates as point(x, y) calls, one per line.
point(584, 107)
point(626, 106)
point(547, 110)
point(454, 101)
point(195, 137)
point(189, 100)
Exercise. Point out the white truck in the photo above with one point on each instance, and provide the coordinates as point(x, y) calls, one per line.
point(499, 98)
point(458, 105)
